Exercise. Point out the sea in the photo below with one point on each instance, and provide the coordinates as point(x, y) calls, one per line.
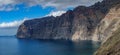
point(10, 45)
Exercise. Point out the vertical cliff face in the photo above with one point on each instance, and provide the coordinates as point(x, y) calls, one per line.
point(36, 28)
point(95, 23)
point(110, 26)
point(109, 23)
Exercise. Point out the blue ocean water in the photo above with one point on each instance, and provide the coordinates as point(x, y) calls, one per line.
point(13, 46)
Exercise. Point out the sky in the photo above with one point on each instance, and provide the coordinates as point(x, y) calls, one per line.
point(15, 12)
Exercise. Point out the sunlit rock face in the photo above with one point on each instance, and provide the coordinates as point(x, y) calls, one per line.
point(109, 24)
point(111, 46)
point(96, 23)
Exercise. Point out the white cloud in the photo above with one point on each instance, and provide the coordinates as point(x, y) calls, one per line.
point(8, 8)
point(56, 13)
point(11, 24)
point(6, 2)
point(7, 5)
point(10, 28)
point(58, 4)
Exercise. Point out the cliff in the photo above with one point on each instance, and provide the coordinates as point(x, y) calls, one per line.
point(111, 46)
point(96, 23)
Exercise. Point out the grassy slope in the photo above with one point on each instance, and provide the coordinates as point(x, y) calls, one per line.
point(111, 46)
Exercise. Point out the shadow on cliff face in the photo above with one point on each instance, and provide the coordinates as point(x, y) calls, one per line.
point(89, 18)
point(82, 21)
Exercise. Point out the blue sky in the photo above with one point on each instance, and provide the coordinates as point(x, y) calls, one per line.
point(22, 12)
point(14, 12)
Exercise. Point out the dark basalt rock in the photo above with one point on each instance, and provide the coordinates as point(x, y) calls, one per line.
point(82, 23)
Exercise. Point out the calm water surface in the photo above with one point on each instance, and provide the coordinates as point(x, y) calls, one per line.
point(13, 46)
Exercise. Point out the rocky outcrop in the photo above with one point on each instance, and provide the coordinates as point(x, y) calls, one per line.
point(96, 23)
point(111, 46)
point(110, 23)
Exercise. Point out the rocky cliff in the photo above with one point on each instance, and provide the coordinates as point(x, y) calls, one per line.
point(111, 46)
point(96, 23)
